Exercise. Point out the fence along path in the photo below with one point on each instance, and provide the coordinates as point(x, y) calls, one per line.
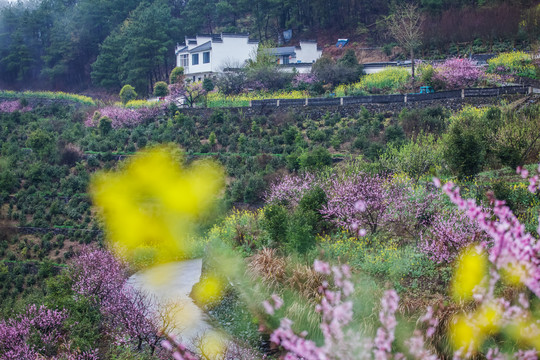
point(386, 99)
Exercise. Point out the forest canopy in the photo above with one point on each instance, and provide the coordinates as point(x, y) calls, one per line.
point(73, 45)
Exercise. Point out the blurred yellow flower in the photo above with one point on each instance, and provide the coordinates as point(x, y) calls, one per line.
point(526, 331)
point(150, 206)
point(488, 317)
point(471, 269)
point(208, 289)
point(514, 274)
point(464, 335)
point(213, 345)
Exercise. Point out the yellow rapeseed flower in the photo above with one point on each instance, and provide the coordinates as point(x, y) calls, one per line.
point(208, 289)
point(464, 334)
point(471, 269)
point(488, 317)
point(514, 274)
point(151, 205)
point(213, 345)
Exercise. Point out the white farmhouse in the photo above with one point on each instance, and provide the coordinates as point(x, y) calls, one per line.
point(204, 55)
point(299, 57)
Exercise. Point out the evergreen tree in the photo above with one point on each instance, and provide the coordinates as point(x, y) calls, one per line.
point(106, 68)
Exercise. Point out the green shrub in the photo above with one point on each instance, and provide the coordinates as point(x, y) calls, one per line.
point(42, 142)
point(464, 152)
point(414, 158)
point(275, 222)
point(394, 134)
point(315, 160)
point(161, 89)
point(8, 181)
point(426, 74)
point(105, 125)
point(311, 205)
point(300, 237)
point(127, 94)
point(176, 75)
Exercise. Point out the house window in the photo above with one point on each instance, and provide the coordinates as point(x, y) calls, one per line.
point(195, 59)
point(206, 57)
point(184, 60)
point(285, 60)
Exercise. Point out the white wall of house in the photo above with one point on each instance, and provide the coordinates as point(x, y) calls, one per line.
point(308, 52)
point(202, 66)
point(234, 51)
point(300, 68)
point(228, 50)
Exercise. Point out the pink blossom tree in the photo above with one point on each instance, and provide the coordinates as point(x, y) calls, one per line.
point(12, 106)
point(18, 335)
point(360, 201)
point(290, 189)
point(457, 73)
point(449, 232)
point(129, 314)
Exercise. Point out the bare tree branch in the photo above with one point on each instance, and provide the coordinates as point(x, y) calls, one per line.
point(405, 26)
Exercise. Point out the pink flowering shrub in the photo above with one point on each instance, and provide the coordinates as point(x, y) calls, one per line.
point(457, 73)
point(448, 233)
point(129, 315)
point(415, 210)
point(336, 313)
point(12, 106)
point(511, 247)
point(39, 332)
point(290, 189)
point(125, 117)
point(360, 200)
point(303, 80)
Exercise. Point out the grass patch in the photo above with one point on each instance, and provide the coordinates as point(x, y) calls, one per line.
point(57, 95)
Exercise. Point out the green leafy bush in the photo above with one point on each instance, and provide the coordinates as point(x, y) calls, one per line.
point(161, 89)
point(176, 75)
point(127, 94)
point(275, 222)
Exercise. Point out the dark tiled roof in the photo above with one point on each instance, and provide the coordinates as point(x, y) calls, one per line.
point(181, 50)
point(282, 51)
point(203, 47)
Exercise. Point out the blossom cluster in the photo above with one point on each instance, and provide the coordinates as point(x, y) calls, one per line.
point(360, 200)
point(129, 314)
point(362, 203)
point(290, 189)
point(512, 249)
point(448, 233)
point(458, 73)
point(123, 116)
point(301, 79)
point(336, 315)
point(18, 336)
point(12, 106)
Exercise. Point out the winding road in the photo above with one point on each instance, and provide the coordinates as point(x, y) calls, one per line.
point(170, 286)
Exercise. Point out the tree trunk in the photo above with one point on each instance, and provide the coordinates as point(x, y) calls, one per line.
point(412, 64)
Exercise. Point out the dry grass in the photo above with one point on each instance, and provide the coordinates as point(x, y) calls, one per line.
point(306, 281)
point(268, 265)
point(276, 271)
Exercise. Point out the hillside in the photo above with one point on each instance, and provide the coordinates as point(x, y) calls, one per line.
point(100, 45)
point(293, 181)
